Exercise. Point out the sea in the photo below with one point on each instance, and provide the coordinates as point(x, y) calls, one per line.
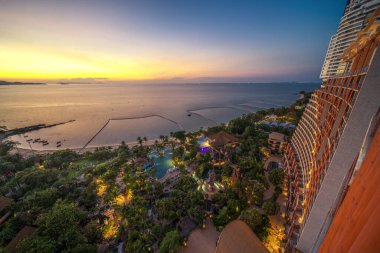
point(106, 114)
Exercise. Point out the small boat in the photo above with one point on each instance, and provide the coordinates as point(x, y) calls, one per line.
point(29, 140)
point(45, 143)
point(59, 142)
point(59, 145)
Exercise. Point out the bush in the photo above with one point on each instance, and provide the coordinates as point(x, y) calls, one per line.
point(171, 242)
point(270, 208)
point(60, 158)
point(258, 193)
point(276, 176)
point(259, 223)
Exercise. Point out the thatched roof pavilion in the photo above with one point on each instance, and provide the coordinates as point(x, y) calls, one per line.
point(237, 236)
point(221, 139)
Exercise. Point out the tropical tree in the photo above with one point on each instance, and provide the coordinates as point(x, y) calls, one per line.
point(258, 193)
point(61, 225)
point(259, 223)
point(171, 242)
point(92, 232)
point(276, 176)
point(270, 207)
point(139, 140)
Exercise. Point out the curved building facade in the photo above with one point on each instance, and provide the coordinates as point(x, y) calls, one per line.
point(327, 139)
point(352, 21)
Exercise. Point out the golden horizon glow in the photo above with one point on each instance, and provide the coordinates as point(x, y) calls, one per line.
point(132, 40)
point(20, 62)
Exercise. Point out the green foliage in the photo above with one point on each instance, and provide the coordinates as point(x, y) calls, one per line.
point(92, 232)
point(180, 135)
point(41, 200)
point(226, 170)
point(270, 208)
point(10, 228)
point(277, 192)
point(216, 129)
point(171, 242)
point(238, 125)
point(10, 164)
point(276, 176)
point(231, 207)
point(6, 146)
point(88, 196)
point(178, 152)
point(101, 154)
point(183, 201)
point(36, 244)
point(61, 225)
point(259, 223)
point(83, 248)
point(31, 179)
point(204, 163)
point(258, 193)
point(60, 158)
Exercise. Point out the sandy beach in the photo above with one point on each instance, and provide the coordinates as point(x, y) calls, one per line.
point(26, 152)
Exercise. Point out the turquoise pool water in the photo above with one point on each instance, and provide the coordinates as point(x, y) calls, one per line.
point(162, 163)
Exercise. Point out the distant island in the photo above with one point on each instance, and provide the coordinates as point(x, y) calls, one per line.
point(20, 83)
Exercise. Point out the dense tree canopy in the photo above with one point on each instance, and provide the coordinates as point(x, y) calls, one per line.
point(259, 223)
point(171, 242)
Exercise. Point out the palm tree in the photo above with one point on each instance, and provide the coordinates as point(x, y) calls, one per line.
point(140, 140)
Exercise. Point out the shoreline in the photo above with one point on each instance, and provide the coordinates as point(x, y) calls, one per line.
point(27, 151)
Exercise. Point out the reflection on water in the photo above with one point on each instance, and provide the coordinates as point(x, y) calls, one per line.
point(92, 105)
point(162, 162)
point(127, 130)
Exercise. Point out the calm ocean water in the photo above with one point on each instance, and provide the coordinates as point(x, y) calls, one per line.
point(152, 110)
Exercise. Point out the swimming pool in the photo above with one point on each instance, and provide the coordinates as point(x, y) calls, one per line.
point(162, 162)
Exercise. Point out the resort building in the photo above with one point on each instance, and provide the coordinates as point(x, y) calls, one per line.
point(356, 224)
point(222, 144)
point(222, 139)
point(326, 144)
point(276, 141)
point(352, 22)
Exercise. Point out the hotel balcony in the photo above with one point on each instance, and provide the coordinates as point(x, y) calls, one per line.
point(299, 211)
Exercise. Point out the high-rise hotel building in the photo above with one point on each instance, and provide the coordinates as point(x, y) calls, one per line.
point(352, 21)
point(321, 157)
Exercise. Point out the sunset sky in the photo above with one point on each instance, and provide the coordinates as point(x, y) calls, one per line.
point(216, 40)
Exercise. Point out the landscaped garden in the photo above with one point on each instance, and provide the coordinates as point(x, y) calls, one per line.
point(98, 200)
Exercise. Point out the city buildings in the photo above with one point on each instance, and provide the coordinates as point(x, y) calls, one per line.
point(352, 21)
point(326, 144)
